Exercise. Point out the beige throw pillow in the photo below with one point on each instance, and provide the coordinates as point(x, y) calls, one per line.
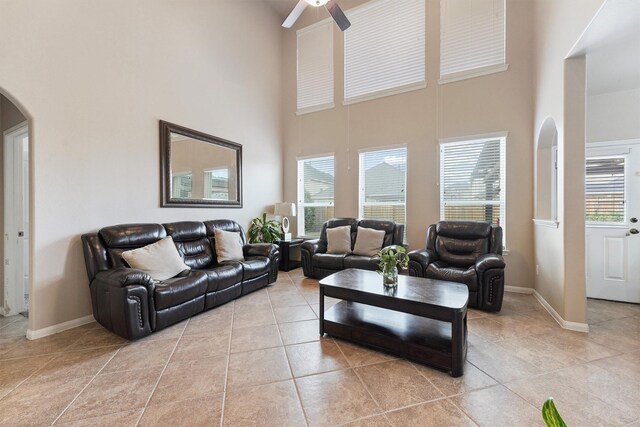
point(339, 240)
point(160, 260)
point(368, 242)
point(228, 246)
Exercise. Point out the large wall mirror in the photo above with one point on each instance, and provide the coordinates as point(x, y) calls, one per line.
point(199, 170)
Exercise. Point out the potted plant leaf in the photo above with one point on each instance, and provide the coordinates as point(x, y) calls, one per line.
point(262, 230)
point(391, 258)
point(550, 414)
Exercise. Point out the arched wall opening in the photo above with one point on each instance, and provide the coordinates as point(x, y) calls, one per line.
point(547, 171)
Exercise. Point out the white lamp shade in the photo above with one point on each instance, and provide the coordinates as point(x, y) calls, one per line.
point(285, 209)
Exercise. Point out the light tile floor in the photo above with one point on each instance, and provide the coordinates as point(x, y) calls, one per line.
point(259, 361)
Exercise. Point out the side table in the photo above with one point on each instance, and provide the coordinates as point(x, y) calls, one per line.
point(290, 254)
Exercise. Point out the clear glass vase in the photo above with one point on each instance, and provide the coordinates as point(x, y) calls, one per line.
point(390, 277)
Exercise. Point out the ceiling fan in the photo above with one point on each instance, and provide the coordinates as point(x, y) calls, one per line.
point(335, 11)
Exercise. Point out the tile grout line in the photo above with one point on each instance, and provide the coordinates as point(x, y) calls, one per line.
point(295, 384)
point(226, 370)
point(164, 368)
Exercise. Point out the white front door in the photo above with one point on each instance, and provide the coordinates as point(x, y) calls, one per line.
point(16, 220)
point(613, 221)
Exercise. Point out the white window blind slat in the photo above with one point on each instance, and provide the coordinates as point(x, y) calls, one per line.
point(472, 180)
point(315, 67)
point(316, 185)
point(605, 189)
point(472, 35)
point(383, 182)
point(384, 47)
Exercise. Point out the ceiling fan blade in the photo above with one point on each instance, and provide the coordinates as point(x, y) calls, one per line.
point(338, 15)
point(295, 14)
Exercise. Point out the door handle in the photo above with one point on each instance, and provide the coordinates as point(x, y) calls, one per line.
point(634, 220)
point(634, 231)
point(20, 233)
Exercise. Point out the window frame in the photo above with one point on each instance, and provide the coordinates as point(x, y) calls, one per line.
point(302, 232)
point(625, 214)
point(457, 141)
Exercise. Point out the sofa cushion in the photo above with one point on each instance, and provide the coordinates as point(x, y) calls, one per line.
point(361, 262)
point(223, 276)
point(253, 267)
point(191, 240)
point(460, 252)
point(368, 242)
point(439, 270)
point(177, 290)
point(228, 246)
point(161, 260)
point(339, 240)
point(329, 261)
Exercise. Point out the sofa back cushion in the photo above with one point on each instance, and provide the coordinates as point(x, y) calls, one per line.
point(368, 242)
point(459, 243)
point(393, 233)
point(191, 240)
point(339, 222)
point(225, 225)
point(160, 260)
point(339, 240)
point(228, 246)
point(124, 237)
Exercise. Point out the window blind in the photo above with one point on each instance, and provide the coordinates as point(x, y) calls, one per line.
point(315, 67)
point(383, 182)
point(472, 36)
point(472, 180)
point(384, 49)
point(605, 189)
point(315, 194)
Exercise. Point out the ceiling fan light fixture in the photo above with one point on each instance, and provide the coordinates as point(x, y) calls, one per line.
point(317, 3)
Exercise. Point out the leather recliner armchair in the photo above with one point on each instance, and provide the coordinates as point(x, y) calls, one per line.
point(468, 252)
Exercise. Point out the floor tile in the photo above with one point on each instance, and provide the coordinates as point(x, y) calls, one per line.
point(438, 413)
point(47, 345)
point(119, 419)
point(15, 371)
point(294, 314)
point(212, 321)
point(81, 363)
point(315, 357)
point(473, 379)
point(204, 411)
point(299, 332)
point(499, 363)
point(194, 347)
point(335, 398)
point(128, 358)
point(204, 377)
point(255, 338)
point(539, 353)
point(358, 355)
point(487, 408)
point(113, 392)
point(577, 344)
point(172, 332)
point(288, 299)
point(18, 328)
point(257, 367)
point(397, 384)
point(274, 404)
point(246, 319)
point(97, 338)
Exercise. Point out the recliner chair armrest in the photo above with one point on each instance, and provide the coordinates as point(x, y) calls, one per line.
point(123, 277)
point(488, 261)
point(260, 249)
point(313, 246)
point(423, 256)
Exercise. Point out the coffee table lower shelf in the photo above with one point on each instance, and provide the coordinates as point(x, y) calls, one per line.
point(423, 340)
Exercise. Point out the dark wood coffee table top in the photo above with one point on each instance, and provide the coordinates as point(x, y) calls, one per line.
point(436, 293)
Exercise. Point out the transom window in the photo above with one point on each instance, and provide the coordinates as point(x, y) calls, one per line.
point(316, 178)
point(605, 189)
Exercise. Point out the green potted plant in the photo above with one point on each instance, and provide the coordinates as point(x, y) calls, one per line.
point(391, 258)
point(262, 230)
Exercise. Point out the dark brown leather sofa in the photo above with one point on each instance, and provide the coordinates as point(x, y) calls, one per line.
point(468, 252)
point(131, 304)
point(318, 264)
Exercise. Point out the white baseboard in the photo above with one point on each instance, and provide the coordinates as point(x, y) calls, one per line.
point(572, 326)
point(60, 327)
point(519, 290)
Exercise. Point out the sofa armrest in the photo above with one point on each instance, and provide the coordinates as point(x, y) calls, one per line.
point(123, 302)
point(488, 261)
point(307, 250)
point(268, 250)
point(419, 260)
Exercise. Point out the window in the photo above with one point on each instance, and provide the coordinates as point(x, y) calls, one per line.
point(383, 183)
point(315, 194)
point(472, 38)
point(472, 180)
point(605, 189)
point(181, 185)
point(384, 49)
point(216, 184)
point(315, 67)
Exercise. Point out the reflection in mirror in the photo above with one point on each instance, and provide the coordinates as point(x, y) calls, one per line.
point(199, 169)
point(547, 171)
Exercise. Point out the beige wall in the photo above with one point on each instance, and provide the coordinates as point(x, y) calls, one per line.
point(10, 116)
point(559, 252)
point(493, 103)
point(614, 115)
point(95, 77)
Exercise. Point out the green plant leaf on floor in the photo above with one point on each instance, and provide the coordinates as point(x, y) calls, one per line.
point(550, 414)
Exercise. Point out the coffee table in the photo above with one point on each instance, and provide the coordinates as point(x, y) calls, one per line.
point(422, 319)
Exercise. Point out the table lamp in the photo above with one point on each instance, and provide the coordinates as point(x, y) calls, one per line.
point(285, 210)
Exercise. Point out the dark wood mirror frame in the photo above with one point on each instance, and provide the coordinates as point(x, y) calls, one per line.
point(167, 199)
